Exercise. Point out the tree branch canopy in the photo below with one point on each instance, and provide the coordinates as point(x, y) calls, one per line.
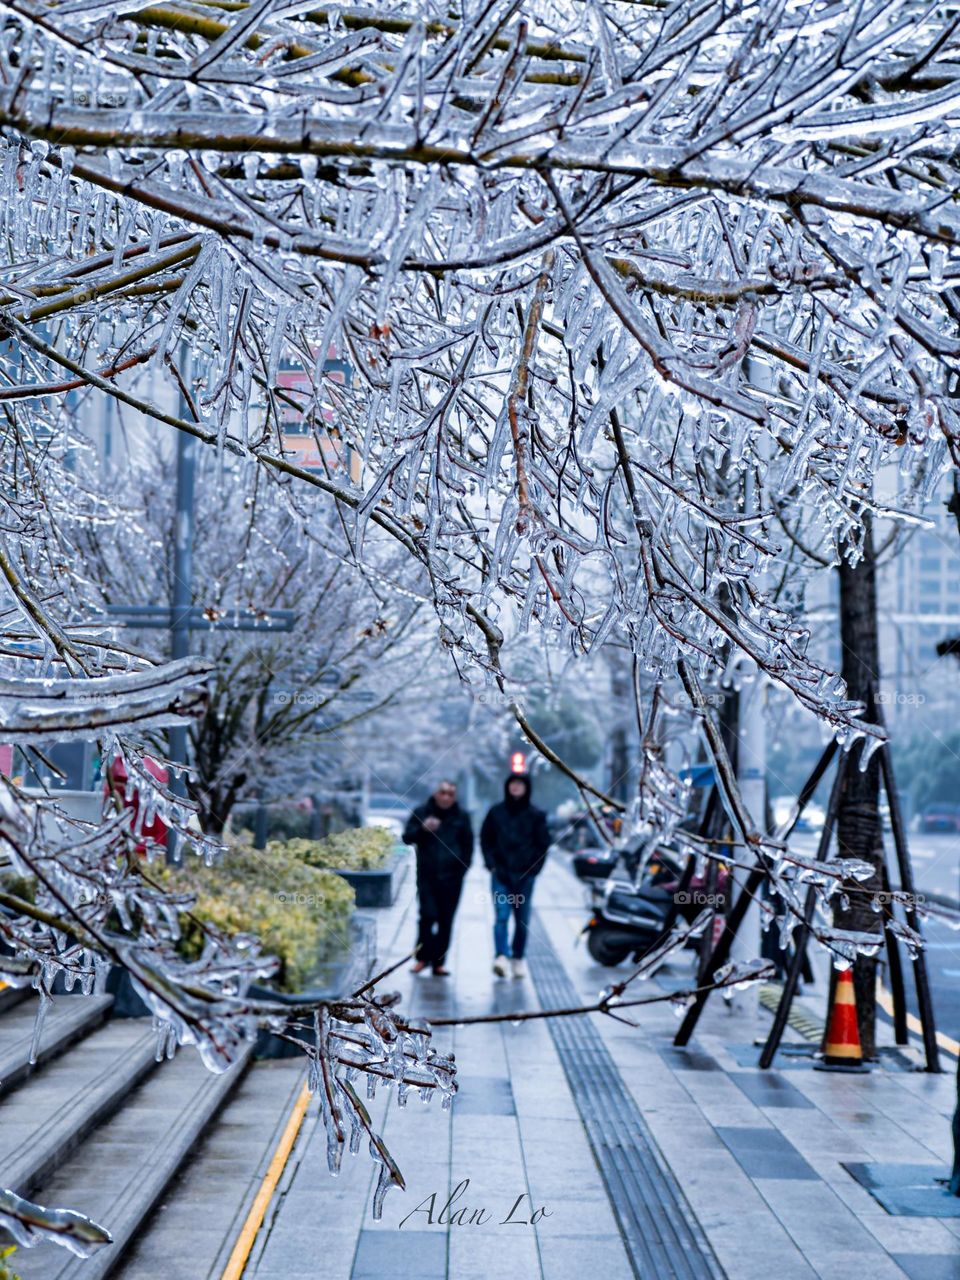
point(596, 312)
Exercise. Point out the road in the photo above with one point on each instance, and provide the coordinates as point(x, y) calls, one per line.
point(936, 870)
point(935, 859)
point(936, 864)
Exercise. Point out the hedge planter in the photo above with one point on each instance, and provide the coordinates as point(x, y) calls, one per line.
point(127, 1000)
point(377, 888)
point(336, 975)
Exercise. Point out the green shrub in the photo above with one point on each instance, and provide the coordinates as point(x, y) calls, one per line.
point(299, 912)
point(358, 849)
point(6, 1266)
point(20, 887)
point(284, 821)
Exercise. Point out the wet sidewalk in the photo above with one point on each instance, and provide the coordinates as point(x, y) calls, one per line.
point(585, 1146)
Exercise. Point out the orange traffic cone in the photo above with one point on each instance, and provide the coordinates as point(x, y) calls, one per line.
point(842, 1051)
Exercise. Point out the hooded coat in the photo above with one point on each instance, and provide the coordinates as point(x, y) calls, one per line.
point(514, 836)
point(444, 854)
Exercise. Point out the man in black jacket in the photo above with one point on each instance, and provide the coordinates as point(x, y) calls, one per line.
point(514, 839)
point(441, 833)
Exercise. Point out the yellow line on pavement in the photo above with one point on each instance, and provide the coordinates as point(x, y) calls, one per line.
point(885, 1001)
point(254, 1220)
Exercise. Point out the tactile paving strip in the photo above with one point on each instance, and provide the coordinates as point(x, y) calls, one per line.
point(660, 1231)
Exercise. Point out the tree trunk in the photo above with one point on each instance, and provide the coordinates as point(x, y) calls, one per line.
point(215, 804)
point(621, 691)
point(859, 833)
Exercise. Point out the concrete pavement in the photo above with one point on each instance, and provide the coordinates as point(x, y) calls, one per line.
point(755, 1174)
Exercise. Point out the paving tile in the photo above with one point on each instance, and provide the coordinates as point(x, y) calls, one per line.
point(818, 1220)
point(688, 1059)
point(573, 1216)
point(402, 1255)
point(297, 1256)
point(552, 1182)
point(910, 1235)
point(925, 1266)
point(476, 1260)
point(908, 1189)
point(573, 1257)
point(765, 1153)
point(768, 1089)
point(485, 1096)
point(787, 1058)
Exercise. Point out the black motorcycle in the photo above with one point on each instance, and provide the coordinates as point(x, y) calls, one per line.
point(630, 919)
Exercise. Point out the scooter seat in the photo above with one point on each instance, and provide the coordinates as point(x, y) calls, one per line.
point(649, 904)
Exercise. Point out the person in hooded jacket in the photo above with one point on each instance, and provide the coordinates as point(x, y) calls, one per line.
point(514, 839)
point(442, 835)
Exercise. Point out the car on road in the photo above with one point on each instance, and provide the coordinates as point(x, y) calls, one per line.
point(940, 817)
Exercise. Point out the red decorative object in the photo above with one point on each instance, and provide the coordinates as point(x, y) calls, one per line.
point(154, 832)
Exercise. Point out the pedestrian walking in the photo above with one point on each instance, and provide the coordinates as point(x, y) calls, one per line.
point(514, 839)
point(441, 833)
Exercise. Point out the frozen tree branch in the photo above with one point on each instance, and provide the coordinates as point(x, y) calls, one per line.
point(544, 293)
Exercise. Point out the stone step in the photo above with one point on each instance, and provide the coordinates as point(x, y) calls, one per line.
point(10, 996)
point(55, 1109)
point(120, 1173)
point(68, 1019)
point(196, 1225)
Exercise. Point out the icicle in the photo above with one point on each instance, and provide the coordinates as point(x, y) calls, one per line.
point(384, 1183)
point(45, 1001)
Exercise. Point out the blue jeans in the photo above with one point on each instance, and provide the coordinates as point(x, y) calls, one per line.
point(515, 899)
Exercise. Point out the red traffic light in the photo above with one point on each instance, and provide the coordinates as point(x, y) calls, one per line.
point(518, 762)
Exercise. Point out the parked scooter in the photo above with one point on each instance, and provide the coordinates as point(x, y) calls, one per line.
point(594, 864)
point(631, 919)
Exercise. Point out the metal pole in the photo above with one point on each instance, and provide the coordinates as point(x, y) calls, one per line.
point(721, 952)
point(260, 821)
point(182, 581)
point(738, 910)
point(802, 932)
point(901, 1033)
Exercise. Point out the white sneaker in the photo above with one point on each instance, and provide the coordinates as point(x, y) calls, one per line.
point(519, 969)
point(501, 966)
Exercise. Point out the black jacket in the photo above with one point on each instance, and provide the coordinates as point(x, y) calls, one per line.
point(514, 836)
point(444, 854)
